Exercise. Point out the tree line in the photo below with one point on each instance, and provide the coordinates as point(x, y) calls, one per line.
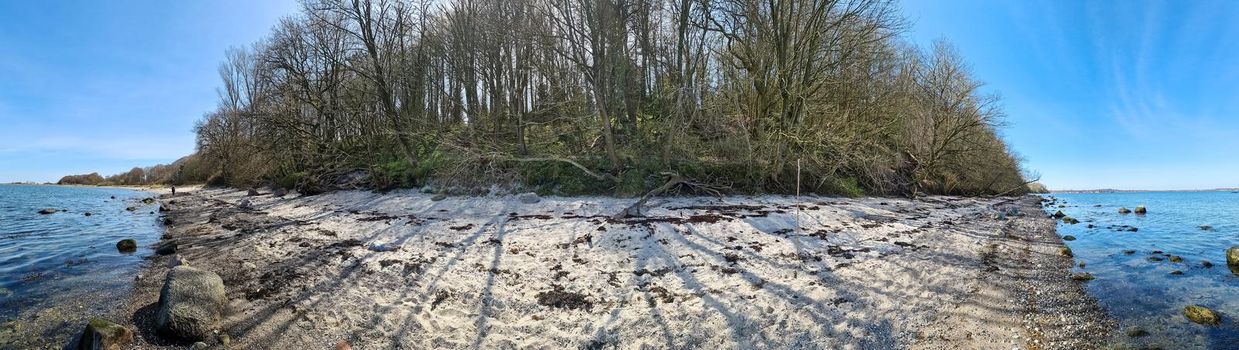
point(604, 96)
point(187, 170)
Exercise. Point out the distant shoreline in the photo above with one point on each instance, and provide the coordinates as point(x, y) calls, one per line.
point(1142, 191)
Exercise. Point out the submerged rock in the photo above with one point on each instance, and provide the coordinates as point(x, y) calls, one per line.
point(1136, 332)
point(1069, 238)
point(1064, 251)
point(1201, 315)
point(1082, 276)
point(127, 245)
point(1070, 220)
point(102, 334)
point(1206, 264)
point(1206, 228)
point(1129, 251)
point(1176, 272)
point(191, 303)
point(148, 200)
point(1124, 211)
point(1176, 258)
point(48, 211)
point(1059, 214)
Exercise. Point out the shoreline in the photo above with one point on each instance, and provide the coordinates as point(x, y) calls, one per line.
point(402, 269)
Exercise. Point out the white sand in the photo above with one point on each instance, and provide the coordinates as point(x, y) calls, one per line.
point(400, 270)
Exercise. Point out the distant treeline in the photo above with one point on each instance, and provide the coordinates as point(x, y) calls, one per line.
point(185, 170)
point(604, 96)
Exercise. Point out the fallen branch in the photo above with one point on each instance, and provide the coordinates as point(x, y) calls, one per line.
point(634, 210)
point(674, 180)
point(1023, 185)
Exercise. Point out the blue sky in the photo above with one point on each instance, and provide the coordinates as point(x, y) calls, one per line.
point(1105, 94)
point(108, 85)
point(1099, 94)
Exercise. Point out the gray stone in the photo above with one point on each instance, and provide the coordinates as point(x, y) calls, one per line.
point(528, 198)
point(1082, 276)
point(102, 334)
point(191, 303)
point(168, 248)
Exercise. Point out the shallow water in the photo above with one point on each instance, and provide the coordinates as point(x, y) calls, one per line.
point(47, 259)
point(1141, 292)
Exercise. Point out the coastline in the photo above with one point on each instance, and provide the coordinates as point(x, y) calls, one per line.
point(402, 269)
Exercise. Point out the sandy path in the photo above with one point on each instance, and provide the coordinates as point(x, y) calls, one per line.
point(401, 270)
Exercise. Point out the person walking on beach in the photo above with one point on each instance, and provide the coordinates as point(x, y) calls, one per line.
point(173, 190)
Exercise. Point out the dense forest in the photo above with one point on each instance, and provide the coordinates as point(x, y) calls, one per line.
point(603, 96)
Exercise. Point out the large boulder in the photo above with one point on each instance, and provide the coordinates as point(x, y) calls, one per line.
point(1140, 209)
point(102, 334)
point(1201, 315)
point(191, 303)
point(1232, 259)
point(1232, 256)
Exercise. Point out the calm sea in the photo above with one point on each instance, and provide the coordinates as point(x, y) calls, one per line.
point(1142, 289)
point(48, 259)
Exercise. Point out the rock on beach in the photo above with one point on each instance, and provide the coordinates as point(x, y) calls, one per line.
point(191, 303)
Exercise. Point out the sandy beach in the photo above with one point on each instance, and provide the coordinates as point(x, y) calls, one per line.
point(408, 270)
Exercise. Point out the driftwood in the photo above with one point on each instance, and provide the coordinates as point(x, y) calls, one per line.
point(673, 180)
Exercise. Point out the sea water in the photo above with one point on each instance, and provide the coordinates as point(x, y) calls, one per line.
point(46, 260)
point(1142, 289)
